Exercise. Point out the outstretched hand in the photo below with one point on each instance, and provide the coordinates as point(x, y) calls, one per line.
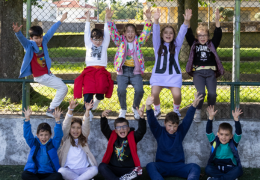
point(64, 16)
point(157, 15)
point(57, 113)
point(73, 103)
point(236, 113)
point(87, 15)
point(105, 113)
point(89, 105)
point(217, 15)
point(27, 113)
point(187, 16)
point(149, 102)
point(141, 111)
point(148, 14)
point(16, 28)
point(197, 99)
point(211, 112)
point(109, 14)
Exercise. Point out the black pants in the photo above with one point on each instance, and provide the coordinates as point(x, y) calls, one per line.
point(114, 173)
point(26, 175)
point(89, 97)
point(224, 172)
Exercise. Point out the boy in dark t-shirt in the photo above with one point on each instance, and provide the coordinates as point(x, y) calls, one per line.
point(121, 161)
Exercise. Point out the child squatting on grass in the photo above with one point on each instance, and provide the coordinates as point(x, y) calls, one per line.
point(129, 60)
point(121, 161)
point(169, 160)
point(43, 161)
point(37, 62)
point(204, 63)
point(166, 71)
point(224, 162)
point(76, 160)
point(94, 79)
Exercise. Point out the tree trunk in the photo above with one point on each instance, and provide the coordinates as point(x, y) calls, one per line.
point(11, 51)
point(189, 4)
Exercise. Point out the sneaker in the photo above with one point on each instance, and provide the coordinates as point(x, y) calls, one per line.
point(132, 175)
point(209, 178)
point(178, 113)
point(95, 104)
point(197, 116)
point(208, 116)
point(122, 113)
point(157, 114)
point(90, 116)
point(136, 114)
point(50, 112)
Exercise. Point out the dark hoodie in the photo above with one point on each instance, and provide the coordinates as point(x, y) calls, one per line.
point(121, 156)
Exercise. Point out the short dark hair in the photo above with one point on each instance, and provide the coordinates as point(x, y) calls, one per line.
point(225, 126)
point(35, 31)
point(121, 120)
point(97, 33)
point(172, 117)
point(44, 127)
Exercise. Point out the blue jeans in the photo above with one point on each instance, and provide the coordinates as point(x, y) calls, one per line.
point(226, 173)
point(158, 170)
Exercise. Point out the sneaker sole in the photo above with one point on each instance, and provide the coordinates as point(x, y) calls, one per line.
point(158, 116)
point(49, 115)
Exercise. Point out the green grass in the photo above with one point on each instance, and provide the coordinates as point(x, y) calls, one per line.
point(14, 173)
point(147, 52)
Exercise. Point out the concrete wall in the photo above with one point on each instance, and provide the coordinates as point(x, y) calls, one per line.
point(14, 150)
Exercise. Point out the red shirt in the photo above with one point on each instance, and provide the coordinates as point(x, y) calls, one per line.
point(38, 63)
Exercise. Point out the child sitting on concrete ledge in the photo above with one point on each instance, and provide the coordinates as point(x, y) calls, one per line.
point(43, 161)
point(224, 162)
point(170, 159)
point(121, 161)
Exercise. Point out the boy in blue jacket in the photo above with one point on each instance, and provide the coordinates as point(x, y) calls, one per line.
point(170, 159)
point(43, 161)
point(38, 63)
point(224, 162)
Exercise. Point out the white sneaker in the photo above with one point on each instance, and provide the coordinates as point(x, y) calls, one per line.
point(197, 116)
point(136, 114)
point(122, 113)
point(95, 104)
point(157, 114)
point(90, 116)
point(208, 116)
point(178, 113)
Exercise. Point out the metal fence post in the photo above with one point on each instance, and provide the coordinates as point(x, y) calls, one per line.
point(28, 25)
point(24, 95)
point(236, 52)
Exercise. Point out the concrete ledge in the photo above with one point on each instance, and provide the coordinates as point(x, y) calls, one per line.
point(14, 150)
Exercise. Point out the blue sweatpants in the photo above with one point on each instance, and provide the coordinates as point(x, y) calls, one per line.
point(158, 170)
point(224, 172)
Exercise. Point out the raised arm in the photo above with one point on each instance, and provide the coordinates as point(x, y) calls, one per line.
point(155, 127)
point(140, 132)
point(187, 120)
point(54, 28)
point(105, 129)
point(238, 132)
point(58, 133)
point(156, 31)
point(209, 133)
point(112, 27)
point(218, 31)
point(25, 42)
point(106, 40)
point(27, 131)
point(86, 118)
point(87, 30)
point(144, 36)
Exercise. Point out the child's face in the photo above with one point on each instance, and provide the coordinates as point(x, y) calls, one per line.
point(171, 128)
point(75, 130)
point(168, 35)
point(37, 39)
point(97, 42)
point(129, 34)
point(122, 129)
point(202, 37)
point(224, 136)
point(44, 136)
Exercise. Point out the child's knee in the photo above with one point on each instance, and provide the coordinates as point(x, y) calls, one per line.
point(196, 168)
point(102, 167)
point(94, 169)
point(150, 166)
point(139, 91)
point(121, 91)
point(62, 170)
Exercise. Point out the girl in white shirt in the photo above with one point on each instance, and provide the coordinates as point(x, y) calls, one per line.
point(76, 160)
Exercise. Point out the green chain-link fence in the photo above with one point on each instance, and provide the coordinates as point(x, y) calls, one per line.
point(67, 49)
